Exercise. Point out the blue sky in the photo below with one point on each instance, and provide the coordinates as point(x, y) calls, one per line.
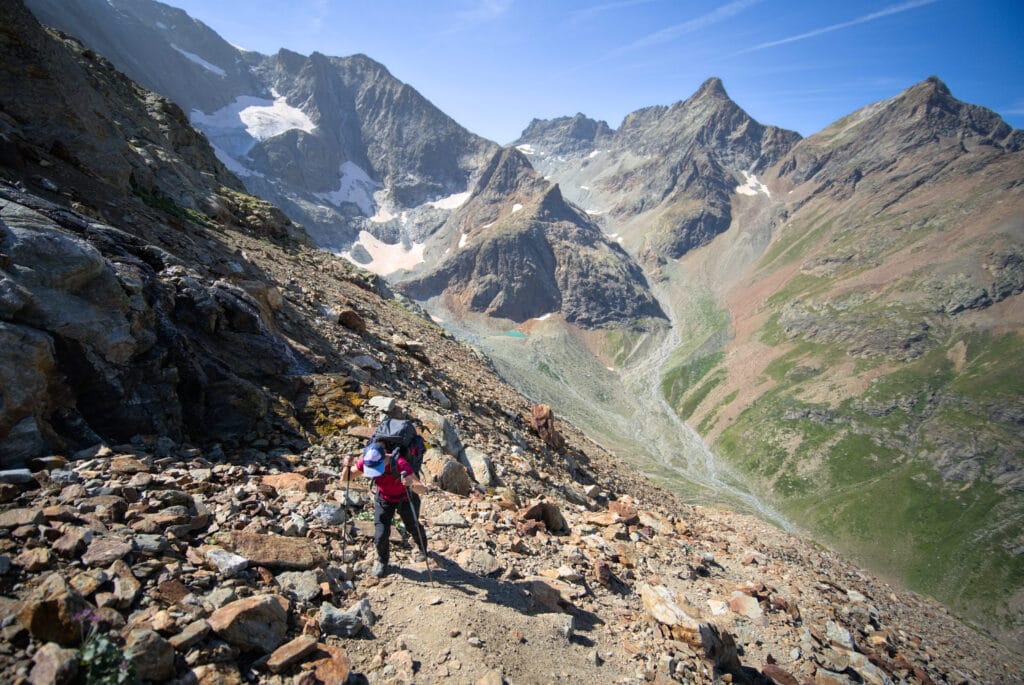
point(493, 65)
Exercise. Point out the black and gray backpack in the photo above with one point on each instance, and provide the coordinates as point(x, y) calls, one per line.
point(401, 434)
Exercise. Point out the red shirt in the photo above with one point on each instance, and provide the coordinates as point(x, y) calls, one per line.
point(390, 485)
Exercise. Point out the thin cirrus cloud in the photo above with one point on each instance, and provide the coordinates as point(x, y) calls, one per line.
point(589, 13)
point(884, 12)
point(670, 33)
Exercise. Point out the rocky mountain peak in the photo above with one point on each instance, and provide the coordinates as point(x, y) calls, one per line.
point(924, 122)
point(508, 173)
point(712, 87)
point(565, 135)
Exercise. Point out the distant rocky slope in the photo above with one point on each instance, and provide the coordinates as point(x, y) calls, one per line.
point(186, 376)
point(516, 250)
point(665, 177)
point(881, 318)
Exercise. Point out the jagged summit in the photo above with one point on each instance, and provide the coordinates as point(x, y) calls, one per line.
point(712, 87)
point(564, 135)
point(925, 122)
point(508, 174)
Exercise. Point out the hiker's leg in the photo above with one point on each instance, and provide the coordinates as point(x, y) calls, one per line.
point(412, 524)
point(383, 513)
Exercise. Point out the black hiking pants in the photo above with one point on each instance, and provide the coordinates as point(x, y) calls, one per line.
point(384, 514)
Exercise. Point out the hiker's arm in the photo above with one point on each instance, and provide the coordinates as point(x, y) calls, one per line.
point(403, 465)
point(409, 480)
point(348, 466)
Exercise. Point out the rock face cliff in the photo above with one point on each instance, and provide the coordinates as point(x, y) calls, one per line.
point(518, 251)
point(107, 331)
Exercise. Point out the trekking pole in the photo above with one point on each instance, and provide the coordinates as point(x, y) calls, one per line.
point(419, 528)
point(344, 518)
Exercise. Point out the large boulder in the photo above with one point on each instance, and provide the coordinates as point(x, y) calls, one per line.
point(480, 466)
point(25, 377)
point(447, 473)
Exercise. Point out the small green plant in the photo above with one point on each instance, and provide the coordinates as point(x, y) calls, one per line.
point(100, 659)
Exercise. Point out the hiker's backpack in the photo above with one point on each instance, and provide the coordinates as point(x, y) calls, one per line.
point(392, 433)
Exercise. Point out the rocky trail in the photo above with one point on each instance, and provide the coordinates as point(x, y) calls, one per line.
point(219, 568)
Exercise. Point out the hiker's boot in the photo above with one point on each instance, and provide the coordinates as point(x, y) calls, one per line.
point(380, 570)
point(420, 555)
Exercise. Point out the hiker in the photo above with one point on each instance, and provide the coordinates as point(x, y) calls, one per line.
point(395, 482)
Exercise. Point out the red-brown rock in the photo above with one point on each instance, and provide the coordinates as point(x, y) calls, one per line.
point(252, 624)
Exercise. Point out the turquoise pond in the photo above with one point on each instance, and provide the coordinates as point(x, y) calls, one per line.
point(514, 334)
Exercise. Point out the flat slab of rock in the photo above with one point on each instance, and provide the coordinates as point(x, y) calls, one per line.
point(285, 656)
point(104, 551)
point(332, 664)
point(292, 482)
point(252, 624)
point(15, 518)
point(277, 551)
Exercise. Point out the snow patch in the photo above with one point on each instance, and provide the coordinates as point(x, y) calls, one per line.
point(526, 149)
point(753, 186)
point(595, 153)
point(384, 258)
point(161, 25)
point(451, 202)
point(200, 61)
point(584, 187)
point(516, 207)
point(544, 317)
point(236, 127)
point(355, 186)
point(463, 239)
point(271, 119)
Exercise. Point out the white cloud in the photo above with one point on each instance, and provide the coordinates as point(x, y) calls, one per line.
point(884, 12)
